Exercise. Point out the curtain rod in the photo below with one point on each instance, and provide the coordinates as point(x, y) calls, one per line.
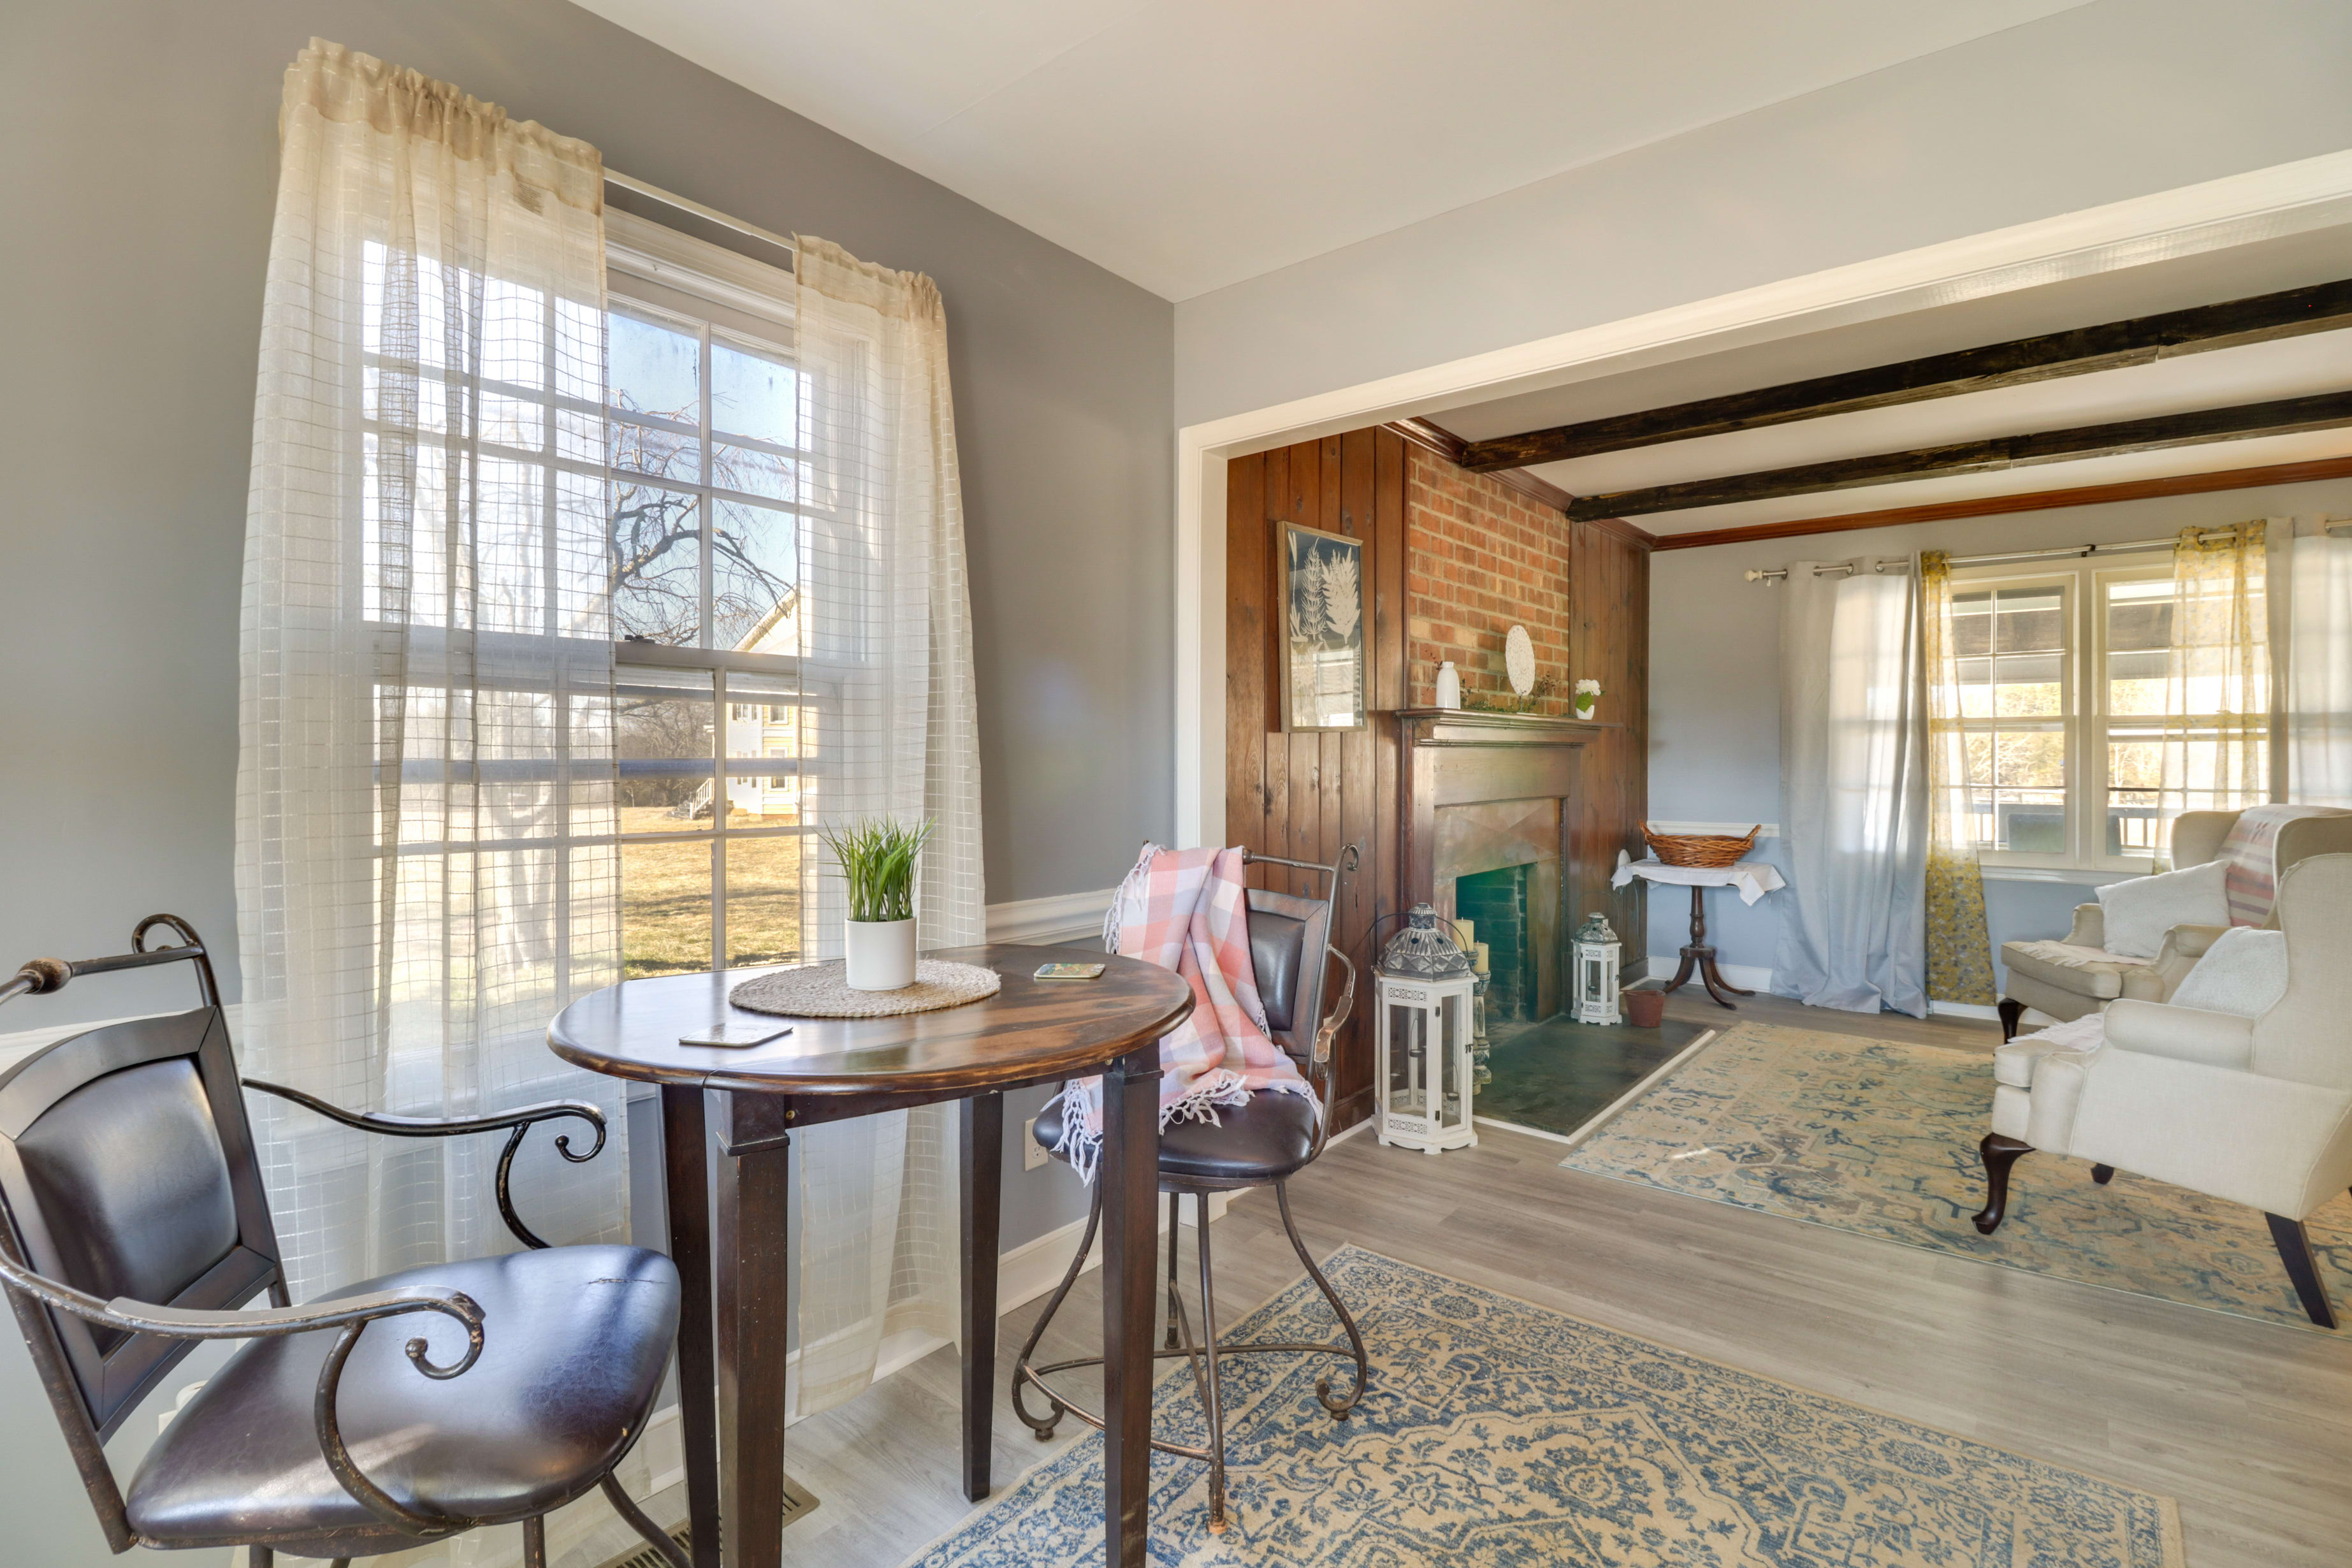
point(2077, 552)
point(681, 204)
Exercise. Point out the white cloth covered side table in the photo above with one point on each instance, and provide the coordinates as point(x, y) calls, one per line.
point(1752, 878)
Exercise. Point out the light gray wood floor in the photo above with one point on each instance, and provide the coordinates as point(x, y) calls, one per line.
point(2248, 1424)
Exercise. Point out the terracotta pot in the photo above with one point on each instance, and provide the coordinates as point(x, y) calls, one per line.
point(1645, 1009)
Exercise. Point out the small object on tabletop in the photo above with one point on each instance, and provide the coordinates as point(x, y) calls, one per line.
point(1422, 1065)
point(1707, 849)
point(1069, 972)
point(877, 859)
point(736, 1034)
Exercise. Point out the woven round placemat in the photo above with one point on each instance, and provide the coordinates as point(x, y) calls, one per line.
point(821, 991)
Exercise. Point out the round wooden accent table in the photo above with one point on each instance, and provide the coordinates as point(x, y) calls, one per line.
point(732, 1256)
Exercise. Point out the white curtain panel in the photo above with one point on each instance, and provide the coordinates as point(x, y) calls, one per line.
point(1853, 788)
point(2319, 665)
point(888, 662)
point(425, 867)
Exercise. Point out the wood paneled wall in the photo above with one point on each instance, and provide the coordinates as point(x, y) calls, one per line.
point(1306, 796)
point(1609, 640)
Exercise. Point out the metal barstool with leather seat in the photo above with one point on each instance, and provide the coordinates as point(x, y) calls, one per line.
point(1263, 1142)
point(402, 1410)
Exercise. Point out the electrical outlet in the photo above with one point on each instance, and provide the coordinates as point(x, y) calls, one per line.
point(1033, 1153)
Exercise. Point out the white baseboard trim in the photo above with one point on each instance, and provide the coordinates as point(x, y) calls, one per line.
point(1964, 1010)
point(1746, 976)
point(1055, 919)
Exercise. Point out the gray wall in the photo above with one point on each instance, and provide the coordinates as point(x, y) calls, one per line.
point(138, 188)
point(2112, 99)
point(1715, 692)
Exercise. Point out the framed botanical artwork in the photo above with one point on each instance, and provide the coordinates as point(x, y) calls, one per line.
point(1323, 629)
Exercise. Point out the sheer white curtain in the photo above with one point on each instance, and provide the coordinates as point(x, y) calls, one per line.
point(889, 650)
point(2319, 664)
point(426, 692)
point(1853, 788)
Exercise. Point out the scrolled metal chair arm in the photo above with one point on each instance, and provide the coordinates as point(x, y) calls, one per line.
point(351, 1315)
point(272, 1323)
point(522, 1119)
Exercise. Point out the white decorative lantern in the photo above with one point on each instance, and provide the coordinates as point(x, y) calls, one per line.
point(1421, 1039)
point(1595, 952)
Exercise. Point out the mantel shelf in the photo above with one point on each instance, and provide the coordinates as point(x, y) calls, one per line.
point(1530, 724)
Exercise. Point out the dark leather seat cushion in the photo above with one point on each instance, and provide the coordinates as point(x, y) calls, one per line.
point(574, 1343)
point(1264, 1141)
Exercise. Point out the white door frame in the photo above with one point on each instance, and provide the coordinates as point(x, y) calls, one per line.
point(2241, 209)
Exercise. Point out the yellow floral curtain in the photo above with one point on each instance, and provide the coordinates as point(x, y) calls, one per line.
point(2217, 681)
point(1960, 954)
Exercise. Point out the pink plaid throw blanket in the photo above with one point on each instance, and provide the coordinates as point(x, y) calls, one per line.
point(1187, 910)
point(2252, 850)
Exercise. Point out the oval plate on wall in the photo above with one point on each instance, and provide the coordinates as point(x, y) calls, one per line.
point(1519, 661)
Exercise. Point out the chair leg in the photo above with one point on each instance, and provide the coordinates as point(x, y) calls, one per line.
point(534, 1542)
point(1998, 1155)
point(1175, 1300)
point(626, 1506)
point(1338, 1407)
point(1211, 1393)
point(260, 1557)
point(2295, 1251)
point(1043, 1425)
point(2010, 1012)
point(2103, 1174)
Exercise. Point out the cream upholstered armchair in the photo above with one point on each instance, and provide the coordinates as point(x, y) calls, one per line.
point(2067, 980)
point(2254, 1110)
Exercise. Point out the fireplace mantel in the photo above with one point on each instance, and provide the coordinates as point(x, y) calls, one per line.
point(1464, 756)
point(1480, 727)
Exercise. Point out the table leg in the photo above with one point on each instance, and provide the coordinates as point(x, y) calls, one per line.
point(983, 1181)
point(1130, 1178)
point(1699, 957)
point(685, 1158)
point(753, 1264)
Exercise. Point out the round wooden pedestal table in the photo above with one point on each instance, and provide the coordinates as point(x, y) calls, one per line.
point(1753, 879)
point(732, 1255)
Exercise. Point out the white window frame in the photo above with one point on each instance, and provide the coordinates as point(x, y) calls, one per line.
point(725, 294)
point(2086, 707)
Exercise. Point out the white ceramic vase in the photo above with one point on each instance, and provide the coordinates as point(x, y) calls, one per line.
point(880, 953)
point(1449, 685)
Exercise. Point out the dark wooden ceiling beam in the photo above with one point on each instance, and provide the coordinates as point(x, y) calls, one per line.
point(2323, 307)
point(2282, 416)
point(2028, 501)
point(1447, 445)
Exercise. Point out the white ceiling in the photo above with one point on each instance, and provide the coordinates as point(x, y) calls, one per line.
point(2254, 372)
point(1187, 144)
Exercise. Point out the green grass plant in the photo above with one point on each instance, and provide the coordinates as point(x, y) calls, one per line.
point(877, 859)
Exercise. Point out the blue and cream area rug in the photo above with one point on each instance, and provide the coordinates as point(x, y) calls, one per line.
point(1499, 1434)
point(1881, 1138)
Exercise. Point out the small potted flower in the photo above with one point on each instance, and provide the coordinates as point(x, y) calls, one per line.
point(1588, 692)
point(877, 859)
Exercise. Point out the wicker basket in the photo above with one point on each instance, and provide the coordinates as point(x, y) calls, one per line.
point(1707, 850)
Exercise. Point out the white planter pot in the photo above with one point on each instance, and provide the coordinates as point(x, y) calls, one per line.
point(881, 955)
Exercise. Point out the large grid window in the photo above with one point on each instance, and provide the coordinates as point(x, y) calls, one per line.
point(700, 486)
point(710, 464)
point(2090, 716)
